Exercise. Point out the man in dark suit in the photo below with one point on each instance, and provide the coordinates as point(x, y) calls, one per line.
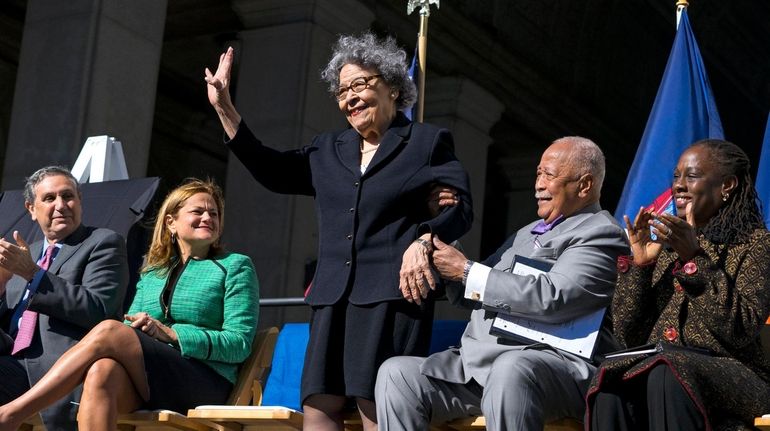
point(514, 383)
point(54, 291)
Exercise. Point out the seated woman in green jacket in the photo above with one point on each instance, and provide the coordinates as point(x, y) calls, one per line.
point(189, 326)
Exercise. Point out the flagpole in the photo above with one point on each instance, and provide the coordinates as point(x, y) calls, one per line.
point(680, 6)
point(422, 50)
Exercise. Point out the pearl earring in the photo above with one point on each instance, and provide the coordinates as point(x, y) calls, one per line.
point(725, 197)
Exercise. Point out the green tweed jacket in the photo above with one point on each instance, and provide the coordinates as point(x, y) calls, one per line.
point(213, 309)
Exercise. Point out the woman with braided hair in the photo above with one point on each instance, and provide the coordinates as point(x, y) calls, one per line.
point(699, 294)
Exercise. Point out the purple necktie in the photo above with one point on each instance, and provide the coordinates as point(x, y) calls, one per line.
point(29, 317)
point(542, 227)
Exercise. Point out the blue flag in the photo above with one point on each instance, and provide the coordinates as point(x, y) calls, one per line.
point(413, 71)
point(684, 112)
point(763, 175)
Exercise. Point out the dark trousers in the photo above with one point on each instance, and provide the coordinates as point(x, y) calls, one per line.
point(657, 403)
point(13, 378)
point(14, 381)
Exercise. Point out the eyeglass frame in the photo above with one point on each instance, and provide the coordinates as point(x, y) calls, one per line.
point(342, 92)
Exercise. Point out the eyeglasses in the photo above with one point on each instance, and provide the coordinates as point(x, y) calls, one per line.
point(358, 85)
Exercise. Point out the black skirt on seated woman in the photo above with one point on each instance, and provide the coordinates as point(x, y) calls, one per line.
point(177, 383)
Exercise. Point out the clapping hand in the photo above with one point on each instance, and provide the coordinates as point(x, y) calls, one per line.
point(643, 247)
point(679, 233)
point(16, 259)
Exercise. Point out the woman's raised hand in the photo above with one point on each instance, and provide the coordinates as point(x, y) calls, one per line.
point(218, 87)
point(219, 82)
point(643, 247)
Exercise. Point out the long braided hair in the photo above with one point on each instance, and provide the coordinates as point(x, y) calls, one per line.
point(737, 219)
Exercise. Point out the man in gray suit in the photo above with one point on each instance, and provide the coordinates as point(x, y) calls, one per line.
point(518, 384)
point(55, 290)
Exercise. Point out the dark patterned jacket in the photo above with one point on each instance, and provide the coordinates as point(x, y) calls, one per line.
point(720, 306)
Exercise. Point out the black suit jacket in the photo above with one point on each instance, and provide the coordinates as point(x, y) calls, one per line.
point(366, 222)
point(84, 285)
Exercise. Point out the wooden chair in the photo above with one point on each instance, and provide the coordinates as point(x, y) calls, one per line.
point(564, 425)
point(253, 371)
point(33, 423)
point(263, 418)
point(762, 423)
point(162, 420)
point(478, 423)
point(276, 417)
point(282, 417)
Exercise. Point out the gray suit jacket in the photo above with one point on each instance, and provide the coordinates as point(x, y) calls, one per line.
point(583, 250)
point(85, 284)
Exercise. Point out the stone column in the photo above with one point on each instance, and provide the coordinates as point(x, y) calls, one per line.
point(86, 68)
point(7, 74)
point(469, 111)
point(279, 94)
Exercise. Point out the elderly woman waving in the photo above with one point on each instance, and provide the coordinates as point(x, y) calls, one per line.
point(371, 294)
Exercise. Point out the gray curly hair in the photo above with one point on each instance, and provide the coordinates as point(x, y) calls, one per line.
point(369, 51)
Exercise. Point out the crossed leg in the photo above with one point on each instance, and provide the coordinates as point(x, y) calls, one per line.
point(109, 363)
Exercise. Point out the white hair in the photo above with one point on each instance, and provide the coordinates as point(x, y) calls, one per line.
point(586, 157)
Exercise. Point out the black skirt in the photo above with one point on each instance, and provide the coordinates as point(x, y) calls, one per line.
point(177, 383)
point(349, 342)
